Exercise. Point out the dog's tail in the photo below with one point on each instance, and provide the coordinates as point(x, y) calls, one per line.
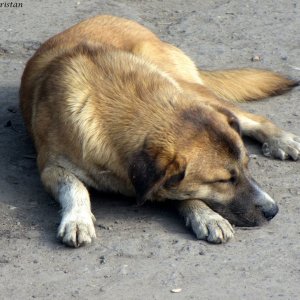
point(242, 85)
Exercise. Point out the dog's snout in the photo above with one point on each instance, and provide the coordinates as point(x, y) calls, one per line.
point(271, 212)
point(266, 204)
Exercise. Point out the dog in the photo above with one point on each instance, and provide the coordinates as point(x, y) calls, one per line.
point(111, 106)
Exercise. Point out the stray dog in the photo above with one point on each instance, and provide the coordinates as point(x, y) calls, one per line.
point(111, 106)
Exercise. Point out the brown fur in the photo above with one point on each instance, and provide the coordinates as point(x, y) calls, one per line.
point(111, 106)
point(246, 84)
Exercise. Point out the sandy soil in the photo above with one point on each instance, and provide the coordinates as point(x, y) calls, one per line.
point(144, 253)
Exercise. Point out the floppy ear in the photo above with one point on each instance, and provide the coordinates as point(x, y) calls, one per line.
point(234, 123)
point(231, 118)
point(149, 171)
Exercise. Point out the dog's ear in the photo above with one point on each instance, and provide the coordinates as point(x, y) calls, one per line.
point(150, 169)
point(231, 118)
point(234, 123)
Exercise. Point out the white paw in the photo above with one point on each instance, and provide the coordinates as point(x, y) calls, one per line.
point(77, 228)
point(210, 226)
point(284, 146)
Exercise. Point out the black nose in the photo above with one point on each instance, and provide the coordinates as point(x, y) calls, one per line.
point(271, 213)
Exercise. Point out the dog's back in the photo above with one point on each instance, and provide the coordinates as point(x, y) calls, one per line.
point(127, 35)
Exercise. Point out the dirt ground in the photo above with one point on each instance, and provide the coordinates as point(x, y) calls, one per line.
point(144, 253)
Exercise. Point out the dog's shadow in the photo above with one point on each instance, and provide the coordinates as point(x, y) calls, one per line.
point(26, 210)
point(35, 212)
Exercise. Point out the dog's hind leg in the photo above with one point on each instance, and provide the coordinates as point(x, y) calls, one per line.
point(205, 223)
point(76, 227)
point(275, 141)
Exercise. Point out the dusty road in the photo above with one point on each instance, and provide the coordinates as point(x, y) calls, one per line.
point(144, 253)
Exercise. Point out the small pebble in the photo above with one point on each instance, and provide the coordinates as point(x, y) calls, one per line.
point(178, 290)
point(104, 227)
point(12, 109)
point(256, 58)
point(102, 260)
point(8, 124)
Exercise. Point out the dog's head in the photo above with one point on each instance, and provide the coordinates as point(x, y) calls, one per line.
point(202, 158)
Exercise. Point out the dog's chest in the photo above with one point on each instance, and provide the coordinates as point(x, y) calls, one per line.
point(98, 177)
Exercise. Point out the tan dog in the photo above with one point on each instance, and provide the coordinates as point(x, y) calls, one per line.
point(111, 106)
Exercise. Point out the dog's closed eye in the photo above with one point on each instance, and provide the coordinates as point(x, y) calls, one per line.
point(231, 180)
point(174, 180)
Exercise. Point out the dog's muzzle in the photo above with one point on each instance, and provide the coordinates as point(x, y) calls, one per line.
point(265, 203)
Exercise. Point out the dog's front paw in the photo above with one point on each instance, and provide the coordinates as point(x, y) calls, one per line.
point(77, 228)
point(283, 146)
point(210, 226)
